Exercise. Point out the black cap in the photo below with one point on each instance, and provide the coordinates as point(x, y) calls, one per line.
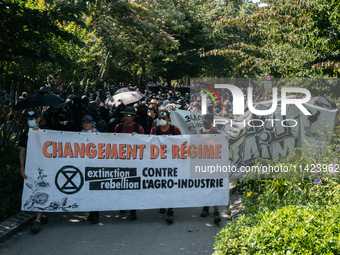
point(32, 114)
point(129, 110)
point(88, 118)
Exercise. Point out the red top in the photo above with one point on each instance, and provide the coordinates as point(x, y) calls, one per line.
point(167, 132)
point(129, 130)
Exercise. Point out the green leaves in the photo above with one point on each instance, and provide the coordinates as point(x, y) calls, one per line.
point(288, 216)
point(289, 230)
point(308, 29)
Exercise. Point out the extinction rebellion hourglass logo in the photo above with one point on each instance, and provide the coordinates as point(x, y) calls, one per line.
point(69, 180)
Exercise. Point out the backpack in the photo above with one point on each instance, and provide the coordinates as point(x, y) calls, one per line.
point(172, 130)
point(120, 127)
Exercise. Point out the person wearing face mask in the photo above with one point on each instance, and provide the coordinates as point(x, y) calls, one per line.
point(63, 121)
point(165, 129)
point(32, 118)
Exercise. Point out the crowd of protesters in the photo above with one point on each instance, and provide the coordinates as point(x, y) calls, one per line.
point(93, 112)
point(67, 116)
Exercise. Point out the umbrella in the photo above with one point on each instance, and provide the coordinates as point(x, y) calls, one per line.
point(125, 98)
point(125, 89)
point(322, 102)
point(47, 90)
point(109, 101)
point(39, 100)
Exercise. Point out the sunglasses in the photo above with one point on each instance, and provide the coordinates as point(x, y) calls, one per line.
point(128, 115)
point(163, 114)
point(87, 118)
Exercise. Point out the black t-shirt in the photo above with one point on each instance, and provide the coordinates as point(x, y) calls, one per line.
point(23, 138)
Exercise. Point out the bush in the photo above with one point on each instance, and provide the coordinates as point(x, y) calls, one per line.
point(11, 182)
point(278, 193)
point(297, 215)
point(308, 229)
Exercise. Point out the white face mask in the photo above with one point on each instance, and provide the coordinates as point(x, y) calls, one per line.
point(31, 123)
point(163, 122)
point(63, 123)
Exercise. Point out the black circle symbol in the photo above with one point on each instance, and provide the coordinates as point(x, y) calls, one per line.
point(70, 178)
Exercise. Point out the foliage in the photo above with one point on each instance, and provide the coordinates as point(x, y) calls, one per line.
point(11, 183)
point(276, 193)
point(296, 215)
point(131, 35)
point(289, 38)
point(190, 23)
point(159, 39)
point(311, 229)
point(296, 187)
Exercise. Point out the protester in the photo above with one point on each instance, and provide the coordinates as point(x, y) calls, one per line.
point(88, 127)
point(154, 102)
point(130, 127)
point(166, 129)
point(33, 119)
point(120, 119)
point(62, 119)
point(226, 111)
point(143, 118)
point(117, 117)
point(208, 128)
point(152, 112)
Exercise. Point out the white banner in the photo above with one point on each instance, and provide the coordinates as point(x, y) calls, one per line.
point(187, 121)
point(268, 137)
point(70, 171)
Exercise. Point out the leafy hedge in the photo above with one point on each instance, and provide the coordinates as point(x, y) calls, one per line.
point(261, 195)
point(288, 215)
point(11, 182)
point(310, 229)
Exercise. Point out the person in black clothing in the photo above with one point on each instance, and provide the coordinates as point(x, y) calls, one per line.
point(143, 118)
point(152, 112)
point(61, 119)
point(116, 118)
point(165, 129)
point(129, 127)
point(33, 119)
point(77, 108)
point(208, 128)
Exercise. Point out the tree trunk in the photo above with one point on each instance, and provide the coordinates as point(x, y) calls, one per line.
point(187, 80)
